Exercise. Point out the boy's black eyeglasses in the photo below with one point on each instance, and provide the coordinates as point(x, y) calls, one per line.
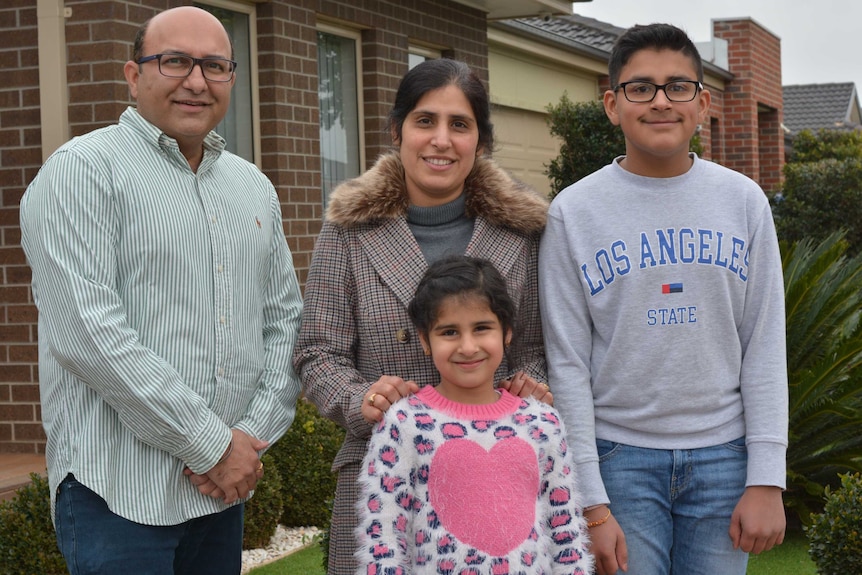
point(181, 66)
point(641, 92)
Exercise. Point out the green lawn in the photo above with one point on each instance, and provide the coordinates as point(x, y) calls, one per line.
point(308, 561)
point(789, 558)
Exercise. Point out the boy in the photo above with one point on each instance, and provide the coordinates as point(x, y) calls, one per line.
point(662, 303)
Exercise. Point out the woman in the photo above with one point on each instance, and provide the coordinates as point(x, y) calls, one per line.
point(437, 194)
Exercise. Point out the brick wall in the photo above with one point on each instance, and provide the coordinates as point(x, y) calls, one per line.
point(753, 104)
point(99, 38)
point(290, 132)
point(20, 157)
point(712, 134)
point(712, 129)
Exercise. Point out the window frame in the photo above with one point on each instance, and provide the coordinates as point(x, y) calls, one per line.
point(249, 10)
point(425, 52)
point(356, 36)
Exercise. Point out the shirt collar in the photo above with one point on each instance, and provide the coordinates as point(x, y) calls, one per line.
point(131, 118)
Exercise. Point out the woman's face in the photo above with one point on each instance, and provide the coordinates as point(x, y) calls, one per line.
point(439, 144)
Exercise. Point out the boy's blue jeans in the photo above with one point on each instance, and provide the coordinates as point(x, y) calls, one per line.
point(95, 540)
point(674, 506)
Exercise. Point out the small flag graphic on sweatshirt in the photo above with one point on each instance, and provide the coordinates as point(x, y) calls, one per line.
point(671, 288)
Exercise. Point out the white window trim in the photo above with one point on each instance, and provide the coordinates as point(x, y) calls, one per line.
point(425, 51)
point(53, 88)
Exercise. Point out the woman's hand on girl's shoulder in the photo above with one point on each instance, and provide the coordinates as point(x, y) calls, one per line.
point(383, 393)
point(523, 385)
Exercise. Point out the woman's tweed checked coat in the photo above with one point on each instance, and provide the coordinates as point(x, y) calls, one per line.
point(365, 268)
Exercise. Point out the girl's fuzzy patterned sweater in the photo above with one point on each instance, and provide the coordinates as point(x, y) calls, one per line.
point(455, 489)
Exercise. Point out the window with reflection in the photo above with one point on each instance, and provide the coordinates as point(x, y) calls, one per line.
point(338, 95)
point(238, 125)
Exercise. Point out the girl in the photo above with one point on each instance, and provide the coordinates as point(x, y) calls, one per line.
point(463, 478)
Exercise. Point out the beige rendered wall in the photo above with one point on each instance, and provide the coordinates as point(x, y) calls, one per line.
point(524, 145)
point(524, 79)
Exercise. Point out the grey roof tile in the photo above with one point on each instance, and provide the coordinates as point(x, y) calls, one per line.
point(588, 31)
point(818, 106)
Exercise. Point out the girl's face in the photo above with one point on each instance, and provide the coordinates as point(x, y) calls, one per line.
point(439, 144)
point(467, 343)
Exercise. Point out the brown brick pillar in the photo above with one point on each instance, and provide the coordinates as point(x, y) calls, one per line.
point(753, 103)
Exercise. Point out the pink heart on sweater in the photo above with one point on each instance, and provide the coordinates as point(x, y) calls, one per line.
point(487, 499)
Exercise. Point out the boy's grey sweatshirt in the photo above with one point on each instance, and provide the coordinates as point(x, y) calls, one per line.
point(663, 313)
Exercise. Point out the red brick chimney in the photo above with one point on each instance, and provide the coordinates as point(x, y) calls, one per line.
point(753, 104)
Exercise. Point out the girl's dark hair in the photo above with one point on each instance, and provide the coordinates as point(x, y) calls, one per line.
point(651, 37)
point(435, 74)
point(463, 277)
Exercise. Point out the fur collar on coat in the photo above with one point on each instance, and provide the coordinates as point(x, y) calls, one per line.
point(380, 193)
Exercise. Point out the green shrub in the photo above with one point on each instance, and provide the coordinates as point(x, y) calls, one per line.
point(826, 144)
point(835, 536)
point(304, 458)
point(589, 141)
point(818, 198)
point(822, 189)
point(823, 299)
point(263, 511)
point(28, 544)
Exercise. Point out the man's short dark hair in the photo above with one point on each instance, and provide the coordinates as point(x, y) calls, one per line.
point(651, 37)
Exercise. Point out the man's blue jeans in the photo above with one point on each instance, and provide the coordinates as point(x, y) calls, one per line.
point(674, 506)
point(95, 540)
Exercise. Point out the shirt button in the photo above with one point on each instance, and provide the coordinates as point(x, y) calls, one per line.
point(221, 319)
point(220, 268)
point(402, 335)
point(220, 371)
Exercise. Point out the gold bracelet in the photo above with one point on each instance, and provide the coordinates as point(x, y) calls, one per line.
point(601, 521)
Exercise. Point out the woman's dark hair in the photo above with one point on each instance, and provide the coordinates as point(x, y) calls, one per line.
point(433, 75)
point(463, 277)
point(651, 37)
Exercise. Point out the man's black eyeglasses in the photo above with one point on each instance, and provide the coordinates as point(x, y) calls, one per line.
point(181, 66)
point(641, 92)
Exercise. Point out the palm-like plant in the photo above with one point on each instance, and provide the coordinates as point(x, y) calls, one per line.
point(823, 295)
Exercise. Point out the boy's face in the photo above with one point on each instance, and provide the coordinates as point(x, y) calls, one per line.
point(657, 132)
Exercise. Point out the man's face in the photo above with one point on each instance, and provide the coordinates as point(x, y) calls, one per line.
point(186, 109)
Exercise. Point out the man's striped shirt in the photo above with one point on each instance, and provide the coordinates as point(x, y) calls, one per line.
point(168, 309)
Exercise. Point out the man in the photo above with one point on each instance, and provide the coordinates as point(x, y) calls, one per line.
point(168, 309)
